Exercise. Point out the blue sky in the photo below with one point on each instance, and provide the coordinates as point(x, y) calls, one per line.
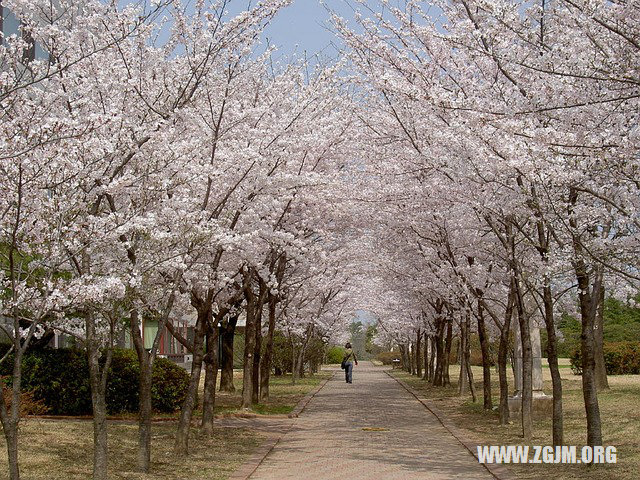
point(304, 26)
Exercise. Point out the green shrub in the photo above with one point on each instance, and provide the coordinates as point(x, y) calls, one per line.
point(282, 360)
point(620, 358)
point(335, 354)
point(60, 379)
point(476, 350)
point(387, 357)
point(169, 385)
point(122, 382)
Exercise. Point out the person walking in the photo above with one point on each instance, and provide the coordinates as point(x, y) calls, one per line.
point(349, 355)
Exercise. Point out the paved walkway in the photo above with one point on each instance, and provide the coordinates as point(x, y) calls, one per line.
point(330, 440)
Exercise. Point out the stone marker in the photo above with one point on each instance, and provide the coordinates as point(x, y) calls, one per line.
point(542, 404)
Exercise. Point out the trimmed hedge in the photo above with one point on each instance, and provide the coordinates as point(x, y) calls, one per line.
point(620, 358)
point(387, 357)
point(60, 379)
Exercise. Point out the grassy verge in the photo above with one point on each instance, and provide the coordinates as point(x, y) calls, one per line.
point(63, 450)
point(283, 394)
point(620, 413)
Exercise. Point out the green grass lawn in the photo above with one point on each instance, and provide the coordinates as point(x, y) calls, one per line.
point(283, 394)
point(620, 413)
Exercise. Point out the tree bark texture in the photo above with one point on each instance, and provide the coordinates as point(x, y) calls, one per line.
point(527, 367)
point(602, 382)
point(503, 355)
point(10, 418)
point(419, 353)
point(487, 403)
point(447, 354)
point(440, 353)
point(425, 355)
point(552, 357)
point(265, 366)
point(249, 348)
point(257, 350)
point(144, 390)
point(226, 374)
point(181, 445)
point(98, 383)
point(210, 380)
point(462, 347)
point(432, 360)
point(588, 298)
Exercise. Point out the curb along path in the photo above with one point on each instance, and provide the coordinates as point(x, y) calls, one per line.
point(498, 471)
point(275, 432)
point(373, 429)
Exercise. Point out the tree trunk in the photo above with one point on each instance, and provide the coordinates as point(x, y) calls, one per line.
point(257, 351)
point(11, 418)
point(552, 358)
point(249, 348)
point(144, 391)
point(411, 348)
point(462, 347)
point(447, 354)
point(405, 358)
point(466, 353)
point(588, 299)
point(486, 360)
point(419, 354)
point(588, 307)
point(527, 367)
point(602, 382)
point(432, 360)
point(181, 445)
point(425, 354)
point(144, 419)
point(440, 353)
point(210, 380)
point(502, 377)
point(503, 354)
point(226, 375)
point(11, 436)
point(98, 383)
point(298, 364)
point(265, 367)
